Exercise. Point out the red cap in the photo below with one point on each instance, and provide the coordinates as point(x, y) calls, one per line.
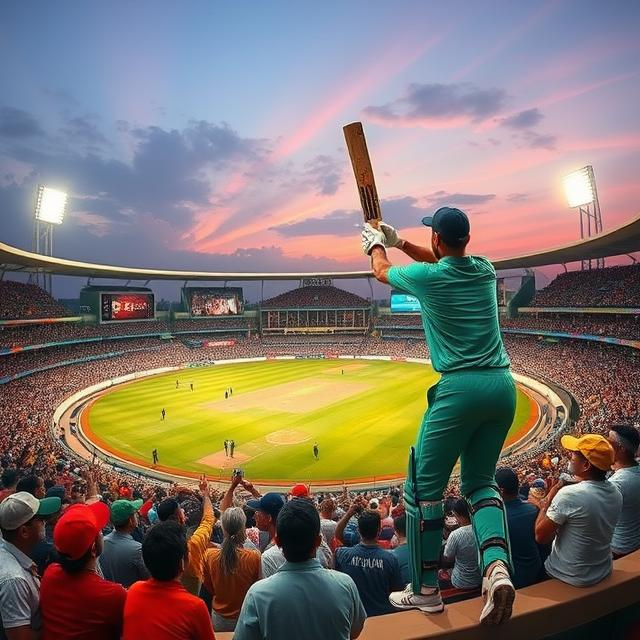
point(300, 491)
point(78, 527)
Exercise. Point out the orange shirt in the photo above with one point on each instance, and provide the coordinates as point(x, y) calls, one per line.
point(228, 591)
point(165, 611)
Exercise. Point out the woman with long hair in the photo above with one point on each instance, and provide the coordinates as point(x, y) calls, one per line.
point(230, 570)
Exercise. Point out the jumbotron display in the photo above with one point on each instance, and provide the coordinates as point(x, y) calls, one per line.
point(116, 307)
point(214, 301)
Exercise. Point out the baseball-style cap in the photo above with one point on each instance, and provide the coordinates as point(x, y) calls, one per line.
point(539, 483)
point(300, 490)
point(18, 508)
point(595, 448)
point(122, 510)
point(451, 223)
point(270, 503)
point(78, 527)
point(167, 508)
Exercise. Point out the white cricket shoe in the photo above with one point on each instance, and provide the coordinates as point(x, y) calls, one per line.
point(430, 602)
point(498, 594)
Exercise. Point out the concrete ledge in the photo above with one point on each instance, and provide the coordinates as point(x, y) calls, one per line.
point(542, 610)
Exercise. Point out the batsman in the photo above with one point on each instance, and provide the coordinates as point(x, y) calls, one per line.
point(471, 407)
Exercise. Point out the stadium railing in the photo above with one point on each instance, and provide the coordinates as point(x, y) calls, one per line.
point(551, 609)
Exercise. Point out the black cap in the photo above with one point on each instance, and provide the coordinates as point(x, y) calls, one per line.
point(452, 224)
point(167, 508)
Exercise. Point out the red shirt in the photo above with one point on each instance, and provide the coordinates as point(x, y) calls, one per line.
point(165, 611)
point(80, 606)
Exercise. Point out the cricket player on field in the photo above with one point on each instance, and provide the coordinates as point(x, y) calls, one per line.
point(471, 407)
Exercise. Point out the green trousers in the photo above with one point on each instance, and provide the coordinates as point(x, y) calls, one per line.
point(469, 415)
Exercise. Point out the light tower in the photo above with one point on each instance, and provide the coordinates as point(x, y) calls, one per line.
point(581, 193)
point(49, 212)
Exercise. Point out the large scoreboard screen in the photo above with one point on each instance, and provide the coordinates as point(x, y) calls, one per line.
point(214, 301)
point(404, 303)
point(116, 307)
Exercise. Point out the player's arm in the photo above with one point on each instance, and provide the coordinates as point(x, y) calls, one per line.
point(415, 251)
point(380, 264)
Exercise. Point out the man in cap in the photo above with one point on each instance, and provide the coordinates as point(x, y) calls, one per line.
point(75, 601)
point(580, 518)
point(22, 527)
point(470, 409)
point(121, 560)
point(299, 490)
point(625, 440)
point(198, 542)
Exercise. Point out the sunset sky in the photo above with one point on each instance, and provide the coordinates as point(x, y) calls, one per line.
point(203, 135)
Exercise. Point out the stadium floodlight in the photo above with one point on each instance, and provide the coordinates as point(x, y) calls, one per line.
point(50, 205)
point(578, 187)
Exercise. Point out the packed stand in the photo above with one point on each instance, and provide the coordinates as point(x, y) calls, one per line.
point(609, 287)
point(20, 301)
point(314, 297)
point(626, 327)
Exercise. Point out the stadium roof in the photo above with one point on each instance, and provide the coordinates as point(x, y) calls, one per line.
point(619, 241)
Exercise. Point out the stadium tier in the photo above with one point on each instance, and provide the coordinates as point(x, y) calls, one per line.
point(609, 287)
point(598, 382)
point(21, 300)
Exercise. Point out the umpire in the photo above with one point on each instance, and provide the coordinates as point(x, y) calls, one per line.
point(471, 407)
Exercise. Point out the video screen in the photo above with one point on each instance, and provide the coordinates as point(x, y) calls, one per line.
point(404, 303)
point(126, 306)
point(215, 302)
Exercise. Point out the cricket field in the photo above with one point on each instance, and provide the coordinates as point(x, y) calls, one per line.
point(363, 414)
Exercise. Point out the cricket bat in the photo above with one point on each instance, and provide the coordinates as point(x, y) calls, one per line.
point(363, 171)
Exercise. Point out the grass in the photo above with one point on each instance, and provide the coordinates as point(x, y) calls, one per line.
point(364, 434)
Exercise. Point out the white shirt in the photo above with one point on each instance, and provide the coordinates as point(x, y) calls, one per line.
point(19, 590)
point(586, 514)
point(273, 558)
point(626, 535)
point(462, 547)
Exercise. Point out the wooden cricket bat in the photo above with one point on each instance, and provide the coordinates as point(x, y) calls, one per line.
point(363, 171)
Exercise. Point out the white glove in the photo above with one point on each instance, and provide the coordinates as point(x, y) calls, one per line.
point(370, 238)
point(390, 234)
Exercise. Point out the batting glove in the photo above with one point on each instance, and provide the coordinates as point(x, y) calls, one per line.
point(390, 234)
point(370, 238)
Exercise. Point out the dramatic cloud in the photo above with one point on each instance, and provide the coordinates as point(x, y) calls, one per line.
point(444, 199)
point(81, 129)
point(170, 177)
point(523, 120)
point(325, 173)
point(439, 106)
point(17, 124)
point(336, 223)
point(518, 197)
point(539, 141)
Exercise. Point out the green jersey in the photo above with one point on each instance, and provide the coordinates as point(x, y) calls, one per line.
point(459, 310)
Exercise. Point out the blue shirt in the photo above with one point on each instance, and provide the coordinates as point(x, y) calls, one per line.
point(301, 600)
point(376, 573)
point(525, 553)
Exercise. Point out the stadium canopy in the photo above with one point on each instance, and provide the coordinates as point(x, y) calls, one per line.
point(619, 241)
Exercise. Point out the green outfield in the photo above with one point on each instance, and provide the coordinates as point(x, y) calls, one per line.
point(362, 413)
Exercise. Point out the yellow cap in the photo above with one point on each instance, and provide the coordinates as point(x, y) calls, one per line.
point(595, 448)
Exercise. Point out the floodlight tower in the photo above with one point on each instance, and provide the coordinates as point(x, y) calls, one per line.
point(49, 212)
point(581, 193)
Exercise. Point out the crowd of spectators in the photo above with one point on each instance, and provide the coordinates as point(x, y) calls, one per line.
point(19, 300)
point(609, 287)
point(313, 297)
point(619, 326)
point(236, 559)
point(224, 323)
